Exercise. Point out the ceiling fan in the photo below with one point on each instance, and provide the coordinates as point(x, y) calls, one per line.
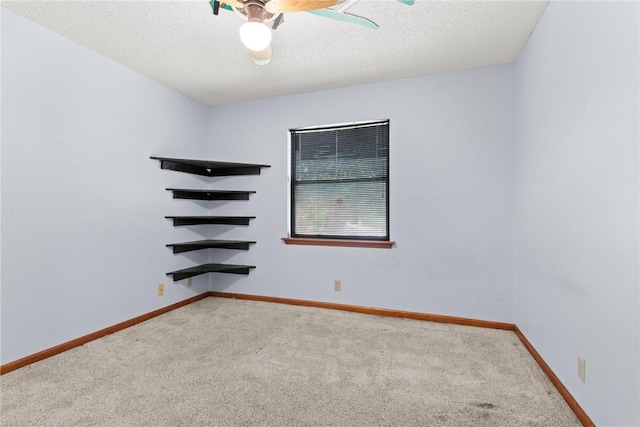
point(255, 34)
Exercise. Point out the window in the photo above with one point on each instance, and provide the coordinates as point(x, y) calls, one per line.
point(340, 182)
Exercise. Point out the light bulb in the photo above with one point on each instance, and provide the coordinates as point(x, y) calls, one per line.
point(261, 61)
point(255, 35)
point(262, 57)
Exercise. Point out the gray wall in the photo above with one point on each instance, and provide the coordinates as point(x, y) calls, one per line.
point(576, 205)
point(1, 11)
point(83, 228)
point(451, 196)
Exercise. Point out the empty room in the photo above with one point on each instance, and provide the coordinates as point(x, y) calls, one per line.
point(320, 213)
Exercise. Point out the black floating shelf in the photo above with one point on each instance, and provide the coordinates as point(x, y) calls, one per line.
point(210, 268)
point(208, 167)
point(198, 220)
point(181, 193)
point(210, 244)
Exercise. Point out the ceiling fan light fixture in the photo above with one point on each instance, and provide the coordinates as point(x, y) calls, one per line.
point(255, 35)
point(262, 57)
point(261, 61)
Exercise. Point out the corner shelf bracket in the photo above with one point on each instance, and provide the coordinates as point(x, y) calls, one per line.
point(182, 193)
point(203, 220)
point(209, 167)
point(241, 245)
point(210, 268)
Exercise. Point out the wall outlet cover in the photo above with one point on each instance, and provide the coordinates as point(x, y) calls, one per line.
point(581, 368)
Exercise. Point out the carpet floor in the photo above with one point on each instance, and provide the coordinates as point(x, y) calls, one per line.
point(220, 362)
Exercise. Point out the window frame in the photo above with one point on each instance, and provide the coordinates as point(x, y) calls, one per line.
point(332, 240)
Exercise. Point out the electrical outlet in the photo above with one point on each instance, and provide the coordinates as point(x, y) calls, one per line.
point(189, 282)
point(337, 285)
point(581, 368)
point(160, 289)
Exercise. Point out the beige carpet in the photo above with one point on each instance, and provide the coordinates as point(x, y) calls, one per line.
point(222, 362)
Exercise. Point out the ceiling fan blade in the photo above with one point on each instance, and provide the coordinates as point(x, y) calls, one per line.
point(261, 57)
point(217, 5)
point(287, 6)
point(345, 17)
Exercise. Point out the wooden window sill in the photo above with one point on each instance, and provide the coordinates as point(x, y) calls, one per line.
point(379, 244)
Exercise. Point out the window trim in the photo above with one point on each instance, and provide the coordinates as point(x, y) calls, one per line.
point(322, 240)
point(350, 243)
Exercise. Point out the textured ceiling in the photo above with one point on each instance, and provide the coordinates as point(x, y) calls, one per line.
point(182, 45)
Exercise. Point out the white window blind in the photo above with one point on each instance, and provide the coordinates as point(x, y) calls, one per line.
point(340, 181)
